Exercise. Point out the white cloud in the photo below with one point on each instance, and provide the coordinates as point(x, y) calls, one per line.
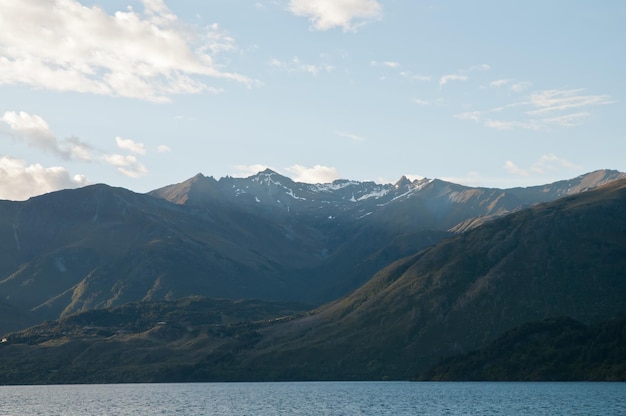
point(548, 163)
point(35, 132)
point(513, 124)
point(296, 65)
point(388, 64)
point(412, 177)
point(315, 174)
point(513, 169)
point(452, 77)
point(421, 102)
point(131, 146)
point(481, 67)
point(415, 77)
point(32, 129)
point(19, 181)
point(521, 86)
point(549, 101)
point(354, 137)
point(469, 115)
point(548, 108)
point(328, 14)
point(405, 74)
point(26, 123)
point(566, 120)
point(460, 75)
point(218, 41)
point(126, 164)
point(77, 149)
point(499, 83)
point(66, 46)
point(471, 179)
point(515, 87)
point(243, 171)
point(162, 148)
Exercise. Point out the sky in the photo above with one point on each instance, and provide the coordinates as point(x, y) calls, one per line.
point(143, 94)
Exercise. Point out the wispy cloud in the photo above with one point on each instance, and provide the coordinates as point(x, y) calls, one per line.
point(472, 178)
point(540, 110)
point(243, 171)
point(510, 84)
point(314, 174)
point(131, 146)
point(296, 65)
point(388, 64)
point(299, 173)
point(128, 165)
point(452, 77)
point(460, 75)
point(405, 73)
point(421, 102)
point(66, 46)
point(481, 67)
point(548, 163)
point(551, 101)
point(328, 14)
point(521, 86)
point(354, 137)
point(162, 148)
point(35, 132)
point(415, 77)
point(499, 83)
point(19, 181)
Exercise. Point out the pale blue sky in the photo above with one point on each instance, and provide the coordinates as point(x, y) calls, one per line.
point(142, 94)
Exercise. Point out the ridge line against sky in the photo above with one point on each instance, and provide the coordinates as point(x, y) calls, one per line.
point(142, 94)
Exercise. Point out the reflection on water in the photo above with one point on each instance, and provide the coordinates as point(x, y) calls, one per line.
point(317, 398)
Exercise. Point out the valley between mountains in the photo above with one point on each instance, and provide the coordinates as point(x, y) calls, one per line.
point(264, 278)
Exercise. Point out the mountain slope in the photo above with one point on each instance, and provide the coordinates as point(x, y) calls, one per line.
point(565, 258)
point(433, 204)
point(100, 246)
point(558, 349)
point(264, 237)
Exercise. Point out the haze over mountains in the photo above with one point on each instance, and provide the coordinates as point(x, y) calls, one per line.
point(564, 258)
point(263, 237)
point(424, 289)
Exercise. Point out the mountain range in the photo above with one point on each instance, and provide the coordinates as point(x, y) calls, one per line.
point(405, 274)
point(263, 237)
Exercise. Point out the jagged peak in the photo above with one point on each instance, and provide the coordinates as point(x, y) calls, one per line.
point(198, 176)
point(268, 172)
point(402, 182)
point(201, 178)
point(270, 176)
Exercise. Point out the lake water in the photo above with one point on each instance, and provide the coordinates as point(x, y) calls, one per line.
point(317, 398)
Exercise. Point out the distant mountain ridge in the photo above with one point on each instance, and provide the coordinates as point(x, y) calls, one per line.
point(264, 237)
point(273, 192)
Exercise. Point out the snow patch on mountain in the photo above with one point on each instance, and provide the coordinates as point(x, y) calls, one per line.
point(334, 186)
point(375, 194)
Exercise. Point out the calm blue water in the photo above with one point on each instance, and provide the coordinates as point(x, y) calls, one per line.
point(315, 399)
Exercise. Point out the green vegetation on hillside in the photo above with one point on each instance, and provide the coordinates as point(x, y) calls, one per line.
point(559, 349)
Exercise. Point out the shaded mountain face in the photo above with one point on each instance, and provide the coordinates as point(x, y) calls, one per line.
point(434, 204)
point(565, 258)
point(556, 349)
point(261, 237)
